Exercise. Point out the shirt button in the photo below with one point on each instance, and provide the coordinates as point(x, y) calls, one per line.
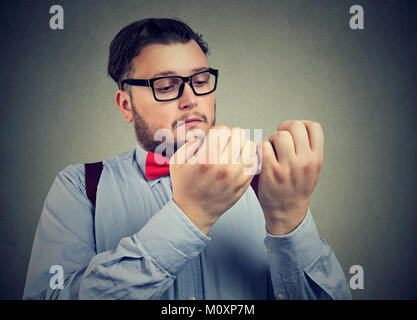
point(191, 298)
point(280, 296)
point(269, 250)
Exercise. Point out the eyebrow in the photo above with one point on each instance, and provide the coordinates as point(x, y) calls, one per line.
point(172, 73)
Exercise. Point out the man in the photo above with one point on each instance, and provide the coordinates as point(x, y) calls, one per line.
point(199, 232)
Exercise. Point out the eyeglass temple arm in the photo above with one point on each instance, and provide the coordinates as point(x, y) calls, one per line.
point(135, 82)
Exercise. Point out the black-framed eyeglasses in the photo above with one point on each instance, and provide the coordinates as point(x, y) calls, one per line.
point(171, 87)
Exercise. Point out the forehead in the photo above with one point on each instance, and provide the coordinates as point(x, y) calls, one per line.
point(176, 58)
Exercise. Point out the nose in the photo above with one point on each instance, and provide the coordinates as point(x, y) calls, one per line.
point(188, 99)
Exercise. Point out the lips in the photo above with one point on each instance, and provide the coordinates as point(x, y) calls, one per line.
point(193, 119)
point(190, 120)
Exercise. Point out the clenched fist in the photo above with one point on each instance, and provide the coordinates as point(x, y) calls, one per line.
point(209, 177)
point(291, 163)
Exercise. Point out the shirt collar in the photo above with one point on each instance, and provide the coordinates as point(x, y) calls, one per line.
point(140, 155)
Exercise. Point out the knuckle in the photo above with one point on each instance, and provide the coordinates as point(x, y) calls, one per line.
point(284, 135)
point(205, 166)
point(311, 165)
point(264, 144)
point(293, 163)
point(222, 172)
point(317, 159)
point(265, 148)
point(317, 126)
point(277, 134)
point(296, 123)
point(307, 167)
point(281, 175)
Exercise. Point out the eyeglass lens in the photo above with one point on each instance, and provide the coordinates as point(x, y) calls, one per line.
point(168, 88)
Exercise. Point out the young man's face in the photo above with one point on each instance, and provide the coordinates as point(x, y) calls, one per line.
point(149, 115)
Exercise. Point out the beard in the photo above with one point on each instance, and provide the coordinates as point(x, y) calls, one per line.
point(145, 135)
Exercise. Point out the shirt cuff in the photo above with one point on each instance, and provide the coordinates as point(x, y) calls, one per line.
point(296, 250)
point(171, 239)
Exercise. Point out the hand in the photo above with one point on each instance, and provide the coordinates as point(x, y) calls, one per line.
point(209, 177)
point(291, 163)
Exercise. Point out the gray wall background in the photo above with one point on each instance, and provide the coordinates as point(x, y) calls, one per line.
point(279, 60)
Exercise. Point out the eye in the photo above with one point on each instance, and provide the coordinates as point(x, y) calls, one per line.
point(201, 79)
point(200, 83)
point(166, 85)
point(165, 89)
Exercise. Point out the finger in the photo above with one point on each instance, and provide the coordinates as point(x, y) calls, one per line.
point(283, 144)
point(215, 143)
point(249, 158)
point(299, 134)
point(193, 149)
point(315, 135)
point(186, 152)
point(236, 143)
point(268, 155)
point(224, 150)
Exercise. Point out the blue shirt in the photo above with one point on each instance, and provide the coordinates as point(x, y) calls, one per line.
point(138, 244)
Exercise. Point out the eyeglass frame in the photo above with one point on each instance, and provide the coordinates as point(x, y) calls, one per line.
point(150, 82)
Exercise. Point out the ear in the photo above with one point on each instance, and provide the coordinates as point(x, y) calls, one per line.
point(123, 102)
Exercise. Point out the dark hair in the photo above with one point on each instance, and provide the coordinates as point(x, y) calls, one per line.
point(128, 43)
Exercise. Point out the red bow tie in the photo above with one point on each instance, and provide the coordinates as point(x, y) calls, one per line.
point(157, 166)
